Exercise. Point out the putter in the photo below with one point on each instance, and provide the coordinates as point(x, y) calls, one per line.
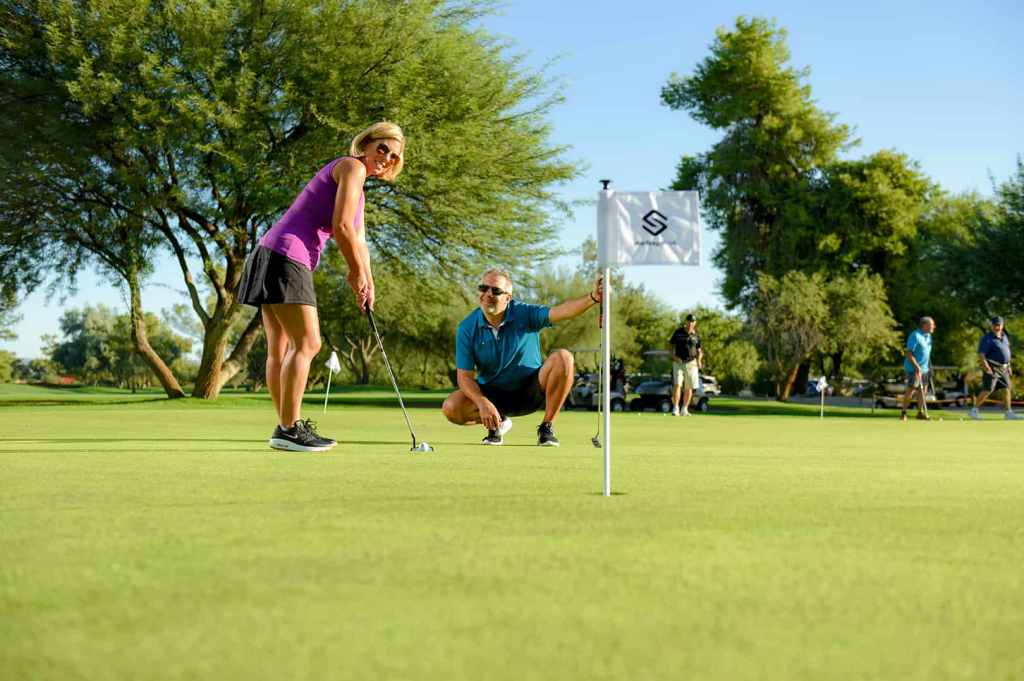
point(422, 446)
point(924, 397)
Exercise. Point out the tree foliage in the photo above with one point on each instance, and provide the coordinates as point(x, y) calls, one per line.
point(95, 347)
point(788, 322)
point(756, 184)
point(141, 127)
point(729, 354)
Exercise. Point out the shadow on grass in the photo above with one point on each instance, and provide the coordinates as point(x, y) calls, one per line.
point(729, 407)
point(86, 440)
point(85, 402)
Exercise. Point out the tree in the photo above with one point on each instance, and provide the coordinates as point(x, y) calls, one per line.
point(7, 317)
point(140, 127)
point(995, 253)
point(859, 327)
point(788, 321)
point(7, 364)
point(95, 346)
point(756, 184)
point(728, 353)
point(867, 213)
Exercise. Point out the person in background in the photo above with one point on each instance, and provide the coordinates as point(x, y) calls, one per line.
point(917, 365)
point(688, 361)
point(994, 355)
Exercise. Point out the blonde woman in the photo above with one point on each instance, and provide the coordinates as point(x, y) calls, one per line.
point(278, 275)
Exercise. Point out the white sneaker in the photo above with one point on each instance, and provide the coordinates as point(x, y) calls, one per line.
point(973, 413)
point(686, 412)
point(675, 411)
point(1012, 416)
point(505, 426)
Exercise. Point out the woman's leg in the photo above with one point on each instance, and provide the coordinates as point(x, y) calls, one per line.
point(301, 327)
point(277, 348)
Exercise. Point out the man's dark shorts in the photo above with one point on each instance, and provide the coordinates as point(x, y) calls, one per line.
point(527, 398)
point(999, 378)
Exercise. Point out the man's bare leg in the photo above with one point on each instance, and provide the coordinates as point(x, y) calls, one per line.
point(556, 381)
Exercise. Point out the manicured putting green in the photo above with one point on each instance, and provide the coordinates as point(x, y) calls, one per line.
point(164, 540)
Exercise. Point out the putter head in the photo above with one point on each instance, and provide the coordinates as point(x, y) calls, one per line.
point(596, 442)
point(422, 447)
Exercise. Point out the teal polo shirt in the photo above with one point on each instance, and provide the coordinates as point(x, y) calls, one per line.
point(506, 360)
point(920, 346)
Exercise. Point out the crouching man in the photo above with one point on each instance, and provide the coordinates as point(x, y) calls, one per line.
point(498, 362)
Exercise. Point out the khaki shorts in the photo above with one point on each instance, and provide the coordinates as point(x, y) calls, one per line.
point(685, 374)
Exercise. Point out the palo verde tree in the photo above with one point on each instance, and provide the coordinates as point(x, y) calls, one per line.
point(188, 127)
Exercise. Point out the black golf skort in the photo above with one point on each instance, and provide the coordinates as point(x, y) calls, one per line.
point(525, 399)
point(271, 278)
point(999, 378)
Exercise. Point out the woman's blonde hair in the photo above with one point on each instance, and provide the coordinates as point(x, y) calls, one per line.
point(379, 131)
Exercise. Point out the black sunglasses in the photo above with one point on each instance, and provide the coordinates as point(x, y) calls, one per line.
point(386, 150)
point(495, 291)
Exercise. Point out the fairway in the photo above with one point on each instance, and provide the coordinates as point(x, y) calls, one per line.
point(163, 540)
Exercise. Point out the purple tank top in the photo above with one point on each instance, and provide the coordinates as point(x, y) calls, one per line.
point(303, 230)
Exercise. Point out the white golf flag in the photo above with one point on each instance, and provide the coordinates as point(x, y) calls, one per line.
point(822, 384)
point(333, 364)
point(648, 228)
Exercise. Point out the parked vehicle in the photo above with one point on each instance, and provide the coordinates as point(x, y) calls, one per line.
point(656, 394)
point(710, 384)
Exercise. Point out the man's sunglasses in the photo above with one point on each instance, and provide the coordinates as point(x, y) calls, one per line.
point(495, 291)
point(383, 148)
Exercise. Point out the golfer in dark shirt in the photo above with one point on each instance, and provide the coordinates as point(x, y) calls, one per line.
point(994, 355)
point(689, 358)
point(498, 361)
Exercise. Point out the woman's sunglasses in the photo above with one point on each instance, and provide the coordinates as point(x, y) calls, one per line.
point(495, 291)
point(391, 156)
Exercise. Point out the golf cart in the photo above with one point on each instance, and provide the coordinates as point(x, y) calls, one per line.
point(950, 391)
point(586, 388)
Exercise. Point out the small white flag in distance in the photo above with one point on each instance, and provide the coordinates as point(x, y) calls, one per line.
point(822, 384)
point(648, 228)
point(333, 364)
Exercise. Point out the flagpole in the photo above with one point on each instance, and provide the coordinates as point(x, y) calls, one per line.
point(606, 348)
point(606, 374)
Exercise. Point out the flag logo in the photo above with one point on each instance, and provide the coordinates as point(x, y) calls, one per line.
point(654, 223)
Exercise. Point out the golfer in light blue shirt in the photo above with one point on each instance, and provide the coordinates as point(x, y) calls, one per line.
point(917, 364)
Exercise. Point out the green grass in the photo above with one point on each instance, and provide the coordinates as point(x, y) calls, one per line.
point(163, 540)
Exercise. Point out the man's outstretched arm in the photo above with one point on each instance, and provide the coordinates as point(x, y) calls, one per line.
point(576, 306)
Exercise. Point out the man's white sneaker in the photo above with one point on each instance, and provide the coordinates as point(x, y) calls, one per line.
point(675, 412)
point(685, 412)
point(1010, 415)
point(497, 437)
point(505, 426)
point(973, 413)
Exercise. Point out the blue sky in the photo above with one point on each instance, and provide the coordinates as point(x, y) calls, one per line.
point(939, 81)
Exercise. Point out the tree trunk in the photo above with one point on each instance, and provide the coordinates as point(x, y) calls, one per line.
point(798, 385)
point(787, 386)
point(162, 372)
point(236, 361)
point(837, 363)
point(215, 343)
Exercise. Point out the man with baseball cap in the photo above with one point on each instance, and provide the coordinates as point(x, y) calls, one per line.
point(689, 357)
point(994, 353)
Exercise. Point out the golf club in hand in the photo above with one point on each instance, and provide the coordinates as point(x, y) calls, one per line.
point(422, 446)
